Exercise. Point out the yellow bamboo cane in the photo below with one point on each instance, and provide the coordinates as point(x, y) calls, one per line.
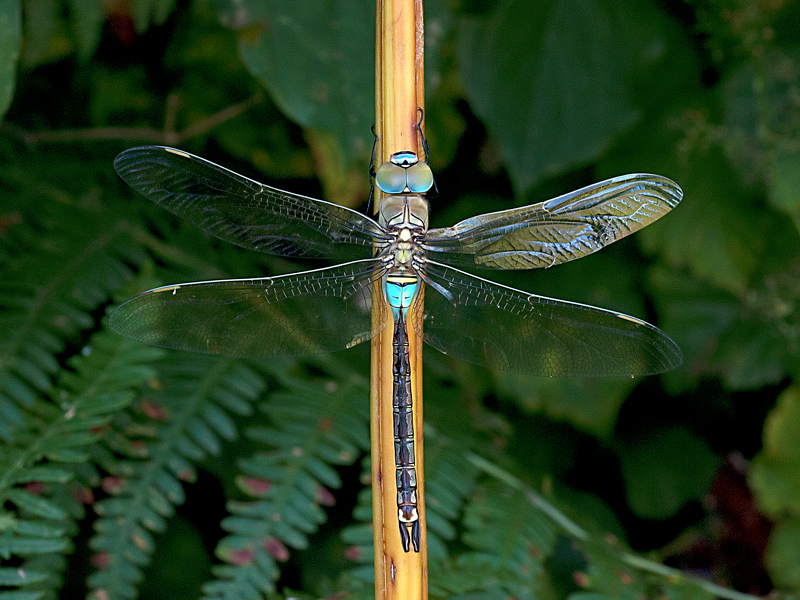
point(399, 92)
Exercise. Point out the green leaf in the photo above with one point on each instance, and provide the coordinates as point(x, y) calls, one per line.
point(782, 558)
point(28, 546)
point(784, 181)
point(46, 36)
point(694, 313)
point(554, 81)
point(775, 473)
point(87, 22)
point(591, 405)
point(10, 36)
point(665, 469)
point(20, 576)
point(35, 504)
point(316, 59)
point(752, 354)
point(45, 474)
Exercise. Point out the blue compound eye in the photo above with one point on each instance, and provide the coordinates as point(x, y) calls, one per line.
point(391, 178)
point(419, 178)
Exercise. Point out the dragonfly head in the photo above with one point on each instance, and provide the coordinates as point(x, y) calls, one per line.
point(403, 172)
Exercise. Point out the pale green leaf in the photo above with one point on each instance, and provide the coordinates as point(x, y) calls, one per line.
point(784, 181)
point(87, 21)
point(664, 469)
point(782, 558)
point(317, 61)
point(775, 473)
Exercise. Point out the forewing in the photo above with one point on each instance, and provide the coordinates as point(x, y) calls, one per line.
point(244, 212)
point(292, 315)
point(558, 230)
point(488, 324)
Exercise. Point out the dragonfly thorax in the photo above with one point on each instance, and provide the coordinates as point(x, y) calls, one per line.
point(406, 220)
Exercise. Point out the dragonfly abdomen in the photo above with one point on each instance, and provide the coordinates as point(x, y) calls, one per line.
point(400, 293)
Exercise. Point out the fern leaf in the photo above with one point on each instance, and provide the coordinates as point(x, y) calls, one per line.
point(41, 495)
point(49, 293)
point(312, 427)
point(183, 418)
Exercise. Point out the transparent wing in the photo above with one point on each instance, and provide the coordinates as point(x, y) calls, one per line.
point(490, 324)
point(558, 230)
point(293, 315)
point(244, 212)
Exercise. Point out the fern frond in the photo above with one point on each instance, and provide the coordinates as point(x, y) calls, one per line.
point(449, 478)
point(312, 427)
point(48, 295)
point(37, 471)
point(184, 417)
point(511, 539)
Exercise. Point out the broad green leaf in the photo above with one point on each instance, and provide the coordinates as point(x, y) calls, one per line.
point(775, 473)
point(317, 61)
point(664, 469)
point(749, 345)
point(554, 80)
point(718, 230)
point(784, 181)
point(591, 405)
point(87, 21)
point(715, 229)
point(782, 558)
point(10, 35)
point(753, 353)
point(694, 313)
point(45, 32)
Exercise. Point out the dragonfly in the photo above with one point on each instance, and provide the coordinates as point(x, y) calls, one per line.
point(416, 270)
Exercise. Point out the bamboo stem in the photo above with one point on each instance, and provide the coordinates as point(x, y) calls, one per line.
point(399, 92)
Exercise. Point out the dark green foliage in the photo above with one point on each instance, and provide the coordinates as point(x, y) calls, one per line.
point(183, 417)
point(534, 488)
point(311, 429)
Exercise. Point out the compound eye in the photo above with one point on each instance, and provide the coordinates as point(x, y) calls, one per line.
point(391, 178)
point(419, 178)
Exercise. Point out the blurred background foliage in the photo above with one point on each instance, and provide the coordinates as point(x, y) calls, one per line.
point(102, 440)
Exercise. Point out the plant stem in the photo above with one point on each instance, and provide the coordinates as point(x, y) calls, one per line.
point(399, 575)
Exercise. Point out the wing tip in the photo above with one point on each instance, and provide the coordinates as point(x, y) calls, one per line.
point(671, 191)
point(133, 156)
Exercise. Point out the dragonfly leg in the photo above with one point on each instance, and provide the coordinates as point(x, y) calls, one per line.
point(422, 136)
point(435, 191)
point(372, 172)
